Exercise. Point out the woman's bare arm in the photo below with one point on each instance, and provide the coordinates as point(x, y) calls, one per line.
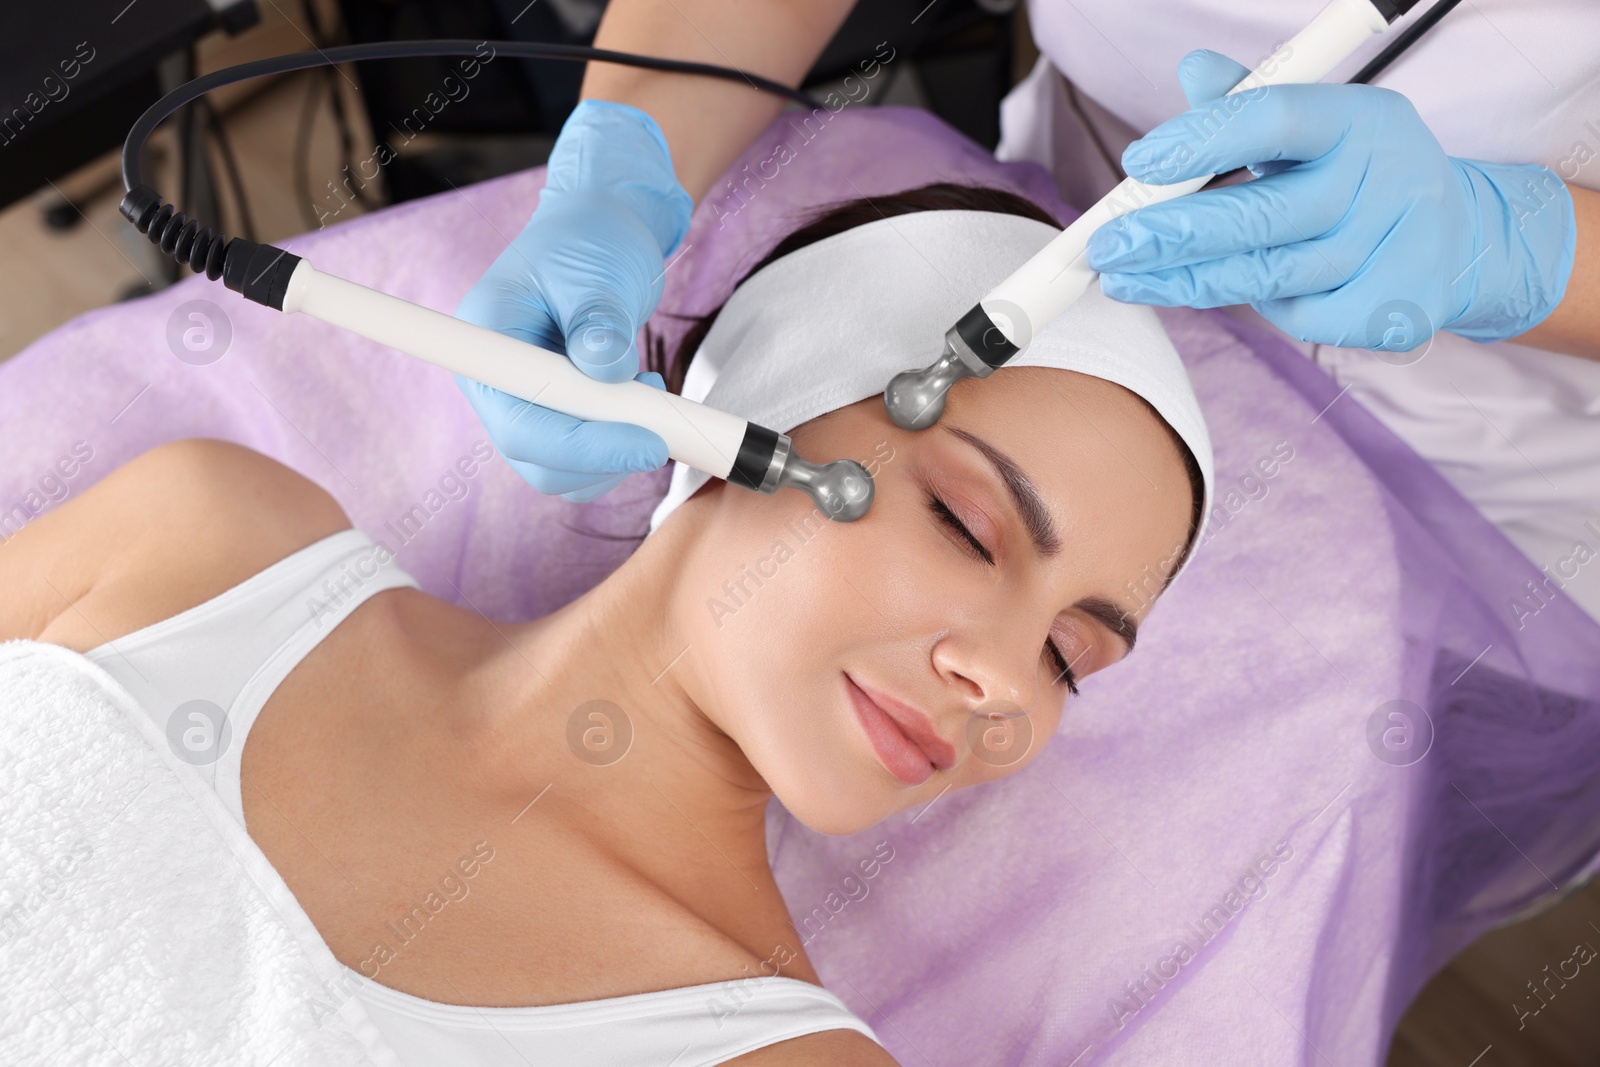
point(162, 533)
point(708, 121)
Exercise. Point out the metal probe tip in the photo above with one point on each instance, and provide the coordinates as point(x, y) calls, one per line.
point(842, 489)
point(915, 398)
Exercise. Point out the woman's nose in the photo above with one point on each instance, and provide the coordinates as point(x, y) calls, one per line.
point(1001, 684)
point(995, 661)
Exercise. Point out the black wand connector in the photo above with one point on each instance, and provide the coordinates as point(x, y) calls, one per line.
point(258, 272)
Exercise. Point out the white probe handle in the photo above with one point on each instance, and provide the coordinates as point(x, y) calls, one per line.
point(702, 437)
point(1057, 275)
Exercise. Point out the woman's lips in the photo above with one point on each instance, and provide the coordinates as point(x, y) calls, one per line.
point(899, 754)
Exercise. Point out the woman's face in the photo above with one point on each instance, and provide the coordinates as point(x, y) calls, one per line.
point(1077, 501)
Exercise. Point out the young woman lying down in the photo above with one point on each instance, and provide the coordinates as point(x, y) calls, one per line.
point(621, 908)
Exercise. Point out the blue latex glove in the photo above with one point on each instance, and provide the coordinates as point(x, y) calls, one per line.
point(582, 277)
point(1363, 234)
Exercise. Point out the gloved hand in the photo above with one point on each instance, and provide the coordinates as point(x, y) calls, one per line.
point(1365, 235)
point(581, 278)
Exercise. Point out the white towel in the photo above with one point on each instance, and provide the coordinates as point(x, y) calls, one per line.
point(139, 924)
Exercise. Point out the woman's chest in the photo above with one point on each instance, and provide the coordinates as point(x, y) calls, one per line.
point(420, 882)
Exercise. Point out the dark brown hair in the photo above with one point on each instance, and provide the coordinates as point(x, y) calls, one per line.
point(838, 217)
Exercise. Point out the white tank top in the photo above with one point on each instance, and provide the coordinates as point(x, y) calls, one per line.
point(232, 651)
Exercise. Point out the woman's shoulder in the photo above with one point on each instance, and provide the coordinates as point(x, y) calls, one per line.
point(167, 530)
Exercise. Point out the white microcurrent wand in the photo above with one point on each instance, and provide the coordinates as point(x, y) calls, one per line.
point(721, 444)
point(716, 442)
point(1003, 322)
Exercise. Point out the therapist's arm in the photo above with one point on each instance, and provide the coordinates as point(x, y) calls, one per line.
point(709, 121)
point(1574, 326)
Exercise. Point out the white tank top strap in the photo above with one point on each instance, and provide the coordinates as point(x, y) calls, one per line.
point(203, 674)
point(691, 1026)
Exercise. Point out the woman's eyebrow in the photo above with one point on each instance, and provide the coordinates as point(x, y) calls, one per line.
point(1042, 531)
point(1110, 616)
point(1024, 494)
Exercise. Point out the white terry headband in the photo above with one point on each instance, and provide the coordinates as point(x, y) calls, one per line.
point(829, 324)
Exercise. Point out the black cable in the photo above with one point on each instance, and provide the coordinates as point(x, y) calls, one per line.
point(191, 90)
point(1403, 41)
point(261, 272)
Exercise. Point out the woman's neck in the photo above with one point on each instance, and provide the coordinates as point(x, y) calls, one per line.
point(664, 809)
point(596, 701)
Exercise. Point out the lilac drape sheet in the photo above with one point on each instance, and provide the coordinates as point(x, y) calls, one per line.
point(1233, 852)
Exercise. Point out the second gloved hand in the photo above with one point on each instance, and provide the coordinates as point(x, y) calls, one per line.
point(1361, 233)
point(581, 278)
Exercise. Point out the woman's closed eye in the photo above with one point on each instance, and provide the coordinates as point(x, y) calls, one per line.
point(978, 550)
